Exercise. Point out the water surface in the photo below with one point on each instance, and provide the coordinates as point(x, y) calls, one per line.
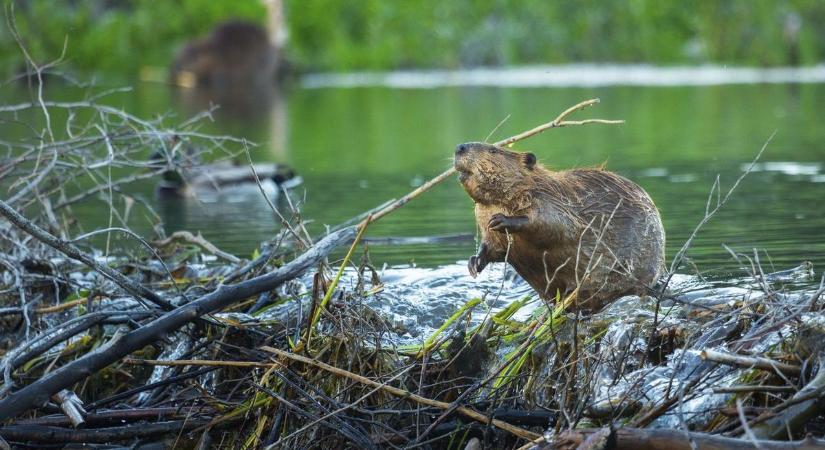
point(357, 147)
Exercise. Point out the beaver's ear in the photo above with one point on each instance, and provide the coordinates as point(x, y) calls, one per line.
point(529, 160)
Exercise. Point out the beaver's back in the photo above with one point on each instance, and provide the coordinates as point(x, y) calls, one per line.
point(611, 241)
point(633, 227)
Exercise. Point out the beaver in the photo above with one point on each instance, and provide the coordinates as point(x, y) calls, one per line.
point(236, 54)
point(587, 228)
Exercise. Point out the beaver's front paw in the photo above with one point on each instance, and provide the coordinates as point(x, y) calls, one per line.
point(476, 264)
point(500, 222)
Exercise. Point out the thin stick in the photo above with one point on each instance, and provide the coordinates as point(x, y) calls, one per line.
point(66, 305)
point(475, 415)
point(403, 200)
point(195, 362)
point(748, 389)
point(493, 131)
point(201, 242)
point(558, 122)
point(756, 362)
point(317, 315)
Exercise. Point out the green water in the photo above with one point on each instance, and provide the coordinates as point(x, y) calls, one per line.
point(359, 147)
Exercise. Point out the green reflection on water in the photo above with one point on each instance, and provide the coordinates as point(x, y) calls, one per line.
point(357, 148)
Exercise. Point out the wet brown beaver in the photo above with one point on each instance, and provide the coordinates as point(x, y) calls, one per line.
point(588, 228)
point(236, 54)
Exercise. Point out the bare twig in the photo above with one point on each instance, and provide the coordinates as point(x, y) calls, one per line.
point(710, 212)
point(199, 240)
point(750, 361)
point(559, 122)
point(555, 123)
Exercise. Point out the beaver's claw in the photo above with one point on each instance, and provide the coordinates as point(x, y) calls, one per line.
point(476, 264)
point(500, 222)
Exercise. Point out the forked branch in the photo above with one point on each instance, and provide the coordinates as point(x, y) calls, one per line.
point(558, 122)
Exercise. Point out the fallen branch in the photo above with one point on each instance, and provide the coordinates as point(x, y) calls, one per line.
point(667, 439)
point(37, 433)
point(115, 417)
point(199, 241)
point(558, 122)
point(38, 392)
point(197, 362)
point(754, 362)
point(475, 415)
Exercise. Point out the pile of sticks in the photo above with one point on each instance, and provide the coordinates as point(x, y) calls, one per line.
point(272, 353)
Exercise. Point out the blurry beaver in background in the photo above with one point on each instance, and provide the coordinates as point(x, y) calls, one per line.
point(235, 54)
point(586, 228)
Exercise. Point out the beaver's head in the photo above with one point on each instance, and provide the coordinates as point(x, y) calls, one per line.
point(492, 174)
point(194, 64)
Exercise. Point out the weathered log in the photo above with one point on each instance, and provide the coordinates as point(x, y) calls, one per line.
point(668, 439)
point(37, 393)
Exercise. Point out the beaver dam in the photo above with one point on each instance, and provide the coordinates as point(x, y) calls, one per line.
point(174, 343)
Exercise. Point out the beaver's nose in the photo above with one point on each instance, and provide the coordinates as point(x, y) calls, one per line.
point(461, 148)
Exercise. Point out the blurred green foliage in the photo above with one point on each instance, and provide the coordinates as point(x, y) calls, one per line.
point(379, 34)
point(124, 35)
point(118, 36)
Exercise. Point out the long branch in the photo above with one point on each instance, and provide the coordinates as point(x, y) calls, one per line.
point(558, 122)
point(37, 393)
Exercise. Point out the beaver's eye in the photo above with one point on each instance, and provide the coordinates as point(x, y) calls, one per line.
point(492, 150)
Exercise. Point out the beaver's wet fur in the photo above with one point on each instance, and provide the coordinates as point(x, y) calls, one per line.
point(587, 228)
